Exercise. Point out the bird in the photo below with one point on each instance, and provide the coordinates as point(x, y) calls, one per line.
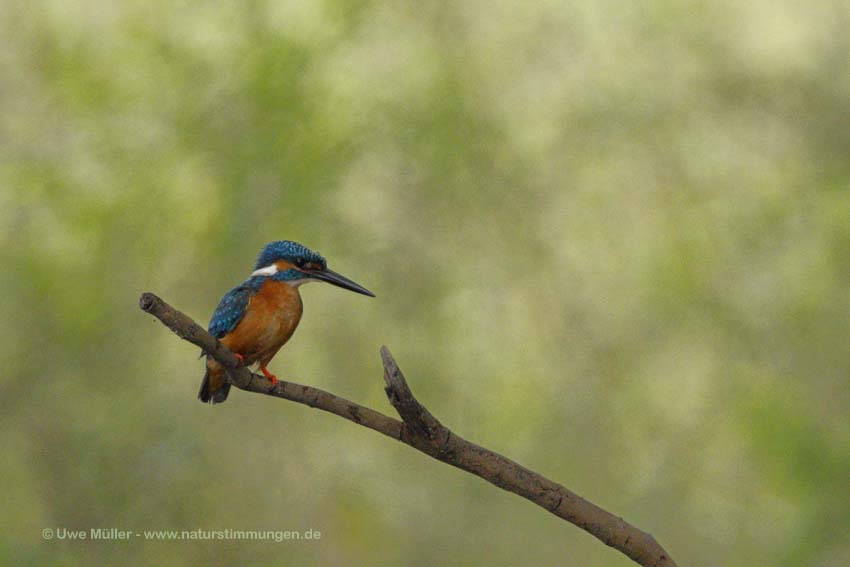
point(257, 317)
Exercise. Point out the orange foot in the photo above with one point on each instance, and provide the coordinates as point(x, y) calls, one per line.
point(272, 378)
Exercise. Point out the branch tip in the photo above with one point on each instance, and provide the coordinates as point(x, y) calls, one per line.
point(147, 301)
point(388, 361)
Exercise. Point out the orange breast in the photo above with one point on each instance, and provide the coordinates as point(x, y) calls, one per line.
point(270, 319)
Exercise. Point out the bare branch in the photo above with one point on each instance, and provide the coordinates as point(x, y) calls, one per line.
point(422, 431)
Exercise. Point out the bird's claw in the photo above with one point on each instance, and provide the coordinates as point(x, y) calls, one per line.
point(271, 377)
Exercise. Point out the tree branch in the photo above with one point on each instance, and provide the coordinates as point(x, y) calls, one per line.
point(424, 432)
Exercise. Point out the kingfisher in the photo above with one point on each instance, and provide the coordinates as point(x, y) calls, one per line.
point(257, 317)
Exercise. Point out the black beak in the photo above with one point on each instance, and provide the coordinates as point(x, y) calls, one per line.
point(339, 280)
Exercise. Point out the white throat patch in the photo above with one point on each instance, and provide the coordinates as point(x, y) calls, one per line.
point(296, 283)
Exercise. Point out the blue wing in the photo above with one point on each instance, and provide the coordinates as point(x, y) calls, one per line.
point(231, 309)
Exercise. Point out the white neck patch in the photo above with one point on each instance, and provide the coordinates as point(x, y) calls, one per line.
point(269, 270)
point(273, 269)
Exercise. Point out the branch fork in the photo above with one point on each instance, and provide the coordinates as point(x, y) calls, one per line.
point(419, 429)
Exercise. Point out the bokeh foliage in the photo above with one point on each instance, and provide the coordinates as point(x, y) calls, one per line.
point(610, 240)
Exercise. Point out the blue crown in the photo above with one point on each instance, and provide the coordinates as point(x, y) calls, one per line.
point(289, 251)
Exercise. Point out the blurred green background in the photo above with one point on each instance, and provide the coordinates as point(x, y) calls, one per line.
point(610, 240)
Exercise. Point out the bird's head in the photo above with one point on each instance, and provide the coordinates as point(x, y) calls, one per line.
point(295, 264)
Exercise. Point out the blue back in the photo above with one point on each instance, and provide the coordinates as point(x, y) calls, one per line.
point(232, 306)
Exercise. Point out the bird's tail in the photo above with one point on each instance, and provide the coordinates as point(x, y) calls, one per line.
point(214, 388)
